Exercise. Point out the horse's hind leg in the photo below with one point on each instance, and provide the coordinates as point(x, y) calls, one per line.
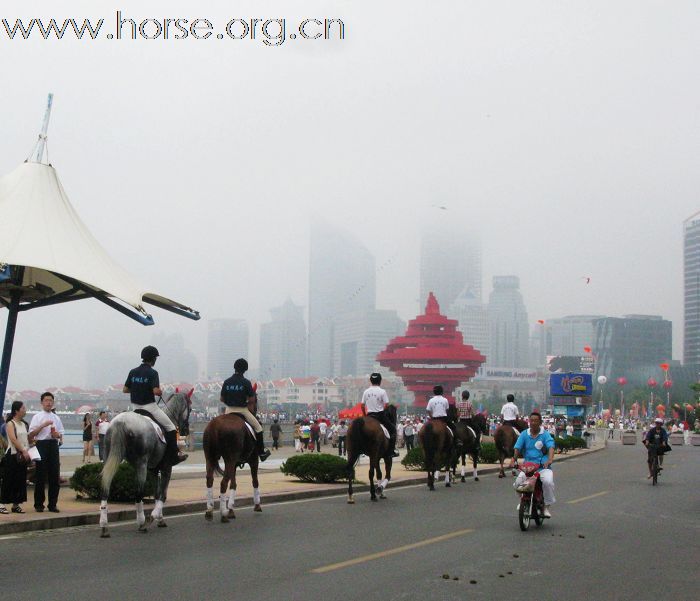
point(256, 486)
point(141, 474)
point(464, 463)
point(475, 462)
point(372, 487)
point(103, 517)
point(209, 514)
point(229, 470)
point(351, 476)
point(385, 482)
point(161, 497)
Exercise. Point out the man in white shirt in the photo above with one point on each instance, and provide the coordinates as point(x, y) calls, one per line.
point(509, 411)
point(438, 408)
point(49, 430)
point(102, 427)
point(374, 401)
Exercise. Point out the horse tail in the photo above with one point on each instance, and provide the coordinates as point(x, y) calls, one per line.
point(210, 451)
point(116, 436)
point(428, 443)
point(354, 441)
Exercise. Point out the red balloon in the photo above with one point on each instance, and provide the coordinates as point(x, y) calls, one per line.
point(622, 380)
point(668, 384)
point(540, 321)
point(651, 383)
point(664, 366)
point(587, 349)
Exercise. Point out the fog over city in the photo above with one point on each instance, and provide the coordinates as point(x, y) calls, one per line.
point(565, 136)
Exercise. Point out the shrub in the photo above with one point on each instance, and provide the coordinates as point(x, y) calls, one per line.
point(87, 482)
point(415, 458)
point(316, 467)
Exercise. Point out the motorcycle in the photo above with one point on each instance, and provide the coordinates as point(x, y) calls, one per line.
point(529, 486)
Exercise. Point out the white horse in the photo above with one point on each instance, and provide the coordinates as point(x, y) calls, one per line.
point(131, 436)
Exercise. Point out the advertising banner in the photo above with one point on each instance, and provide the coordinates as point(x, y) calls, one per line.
point(571, 384)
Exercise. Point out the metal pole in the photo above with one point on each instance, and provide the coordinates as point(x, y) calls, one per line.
point(15, 297)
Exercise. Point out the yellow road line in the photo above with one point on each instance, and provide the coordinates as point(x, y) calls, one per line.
point(389, 552)
point(598, 494)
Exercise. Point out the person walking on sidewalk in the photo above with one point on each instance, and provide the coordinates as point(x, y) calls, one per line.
point(275, 432)
point(102, 427)
point(342, 435)
point(14, 481)
point(47, 429)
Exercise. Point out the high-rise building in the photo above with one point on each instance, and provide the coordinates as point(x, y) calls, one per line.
point(107, 366)
point(568, 335)
point(632, 346)
point(450, 261)
point(283, 343)
point(472, 316)
point(176, 363)
point(341, 279)
point(227, 341)
point(691, 285)
point(359, 336)
point(509, 344)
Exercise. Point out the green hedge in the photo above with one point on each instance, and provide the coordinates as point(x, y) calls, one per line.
point(316, 467)
point(569, 443)
point(87, 482)
point(415, 458)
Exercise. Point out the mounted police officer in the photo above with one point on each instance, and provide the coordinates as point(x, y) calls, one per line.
point(374, 402)
point(143, 385)
point(239, 397)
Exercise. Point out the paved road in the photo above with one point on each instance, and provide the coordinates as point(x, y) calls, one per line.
point(640, 542)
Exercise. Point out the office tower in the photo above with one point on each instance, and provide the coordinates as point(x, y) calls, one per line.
point(227, 341)
point(176, 363)
point(691, 285)
point(341, 280)
point(472, 316)
point(508, 325)
point(283, 343)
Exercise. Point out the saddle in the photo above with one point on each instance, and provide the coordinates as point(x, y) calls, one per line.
point(156, 426)
point(247, 425)
point(382, 426)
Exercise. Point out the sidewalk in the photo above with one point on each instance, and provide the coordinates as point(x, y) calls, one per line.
point(187, 491)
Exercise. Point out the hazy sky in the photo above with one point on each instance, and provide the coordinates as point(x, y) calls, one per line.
point(565, 133)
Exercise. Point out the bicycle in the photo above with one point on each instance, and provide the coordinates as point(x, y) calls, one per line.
point(655, 464)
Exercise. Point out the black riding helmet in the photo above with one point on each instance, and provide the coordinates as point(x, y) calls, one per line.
point(438, 389)
point(240, 366)
point(149, 353)
point(375, 378)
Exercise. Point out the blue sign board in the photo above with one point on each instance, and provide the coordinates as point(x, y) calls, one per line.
point(571, 384)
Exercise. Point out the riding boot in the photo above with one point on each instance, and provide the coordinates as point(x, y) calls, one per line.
point(392, 447)
point(263, 453)
point(173, 456)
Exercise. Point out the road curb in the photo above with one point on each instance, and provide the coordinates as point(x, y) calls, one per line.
point(92, 518)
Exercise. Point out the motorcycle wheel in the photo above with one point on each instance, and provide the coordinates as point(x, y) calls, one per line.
point(524, 512)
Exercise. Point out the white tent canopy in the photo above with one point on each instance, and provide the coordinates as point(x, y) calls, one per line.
point(40, 231)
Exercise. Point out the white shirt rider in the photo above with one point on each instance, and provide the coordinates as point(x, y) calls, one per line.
point(438, 406)
point(509, 411)
point(375, 399)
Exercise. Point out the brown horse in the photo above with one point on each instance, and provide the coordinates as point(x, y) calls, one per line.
point(438, 447)
point(228, 436)
point(505, 439)
point(366, 437)
point(469, 433)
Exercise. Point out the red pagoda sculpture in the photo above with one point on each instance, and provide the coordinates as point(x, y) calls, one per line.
point(431, 352)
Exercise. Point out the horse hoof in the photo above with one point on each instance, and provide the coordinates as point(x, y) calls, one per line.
point(162, 524)
point(143, 529)
point(431, 487)
point(501, 475)
point(373, 499)
point(463, 479)
point(351, 501)
point(224, 519)
point(105, 533)
point(231, 514)
point(208, 516)
point(476, 478)
point(448, 485)
point(382, 496)
point(257, 508)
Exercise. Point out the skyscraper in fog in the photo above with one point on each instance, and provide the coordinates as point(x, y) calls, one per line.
point(283, 343)
point(227, 341)
point(567, 335)
point(359, 336)
point(472, 316)
point(176, 363)
point(509, 342)
point(450, 262)
point(691, 285)
point(341, 280)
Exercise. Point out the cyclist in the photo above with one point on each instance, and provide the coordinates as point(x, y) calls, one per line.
point(656, 440)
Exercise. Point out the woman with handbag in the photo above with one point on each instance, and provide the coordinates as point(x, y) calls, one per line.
point(14, 482)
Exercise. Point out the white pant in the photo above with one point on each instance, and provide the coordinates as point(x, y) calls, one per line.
point(547, 478)
point(159, 415)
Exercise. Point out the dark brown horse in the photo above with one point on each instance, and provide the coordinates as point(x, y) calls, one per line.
point(438, 447)
point(505, 439)
point(228, 436)
point(366, 437)
point(469, 433)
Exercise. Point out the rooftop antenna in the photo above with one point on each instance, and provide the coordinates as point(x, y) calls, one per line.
point(41, 142)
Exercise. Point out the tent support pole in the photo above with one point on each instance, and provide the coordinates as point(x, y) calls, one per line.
point(15, 297)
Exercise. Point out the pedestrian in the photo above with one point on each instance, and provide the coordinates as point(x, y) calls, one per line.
point(275, 431)
point(305, 436)
point(87, 437)
point(48, 430)
point(342, 435)
point(316, 436)
point(297, 438)
point(102, 427)
point(409, 432)
point(611, 430)
point(400, 442)
point(324, 431)
point(17, 459)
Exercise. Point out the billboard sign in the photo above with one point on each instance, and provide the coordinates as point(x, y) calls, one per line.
point(565, 363)
point(571, 384)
